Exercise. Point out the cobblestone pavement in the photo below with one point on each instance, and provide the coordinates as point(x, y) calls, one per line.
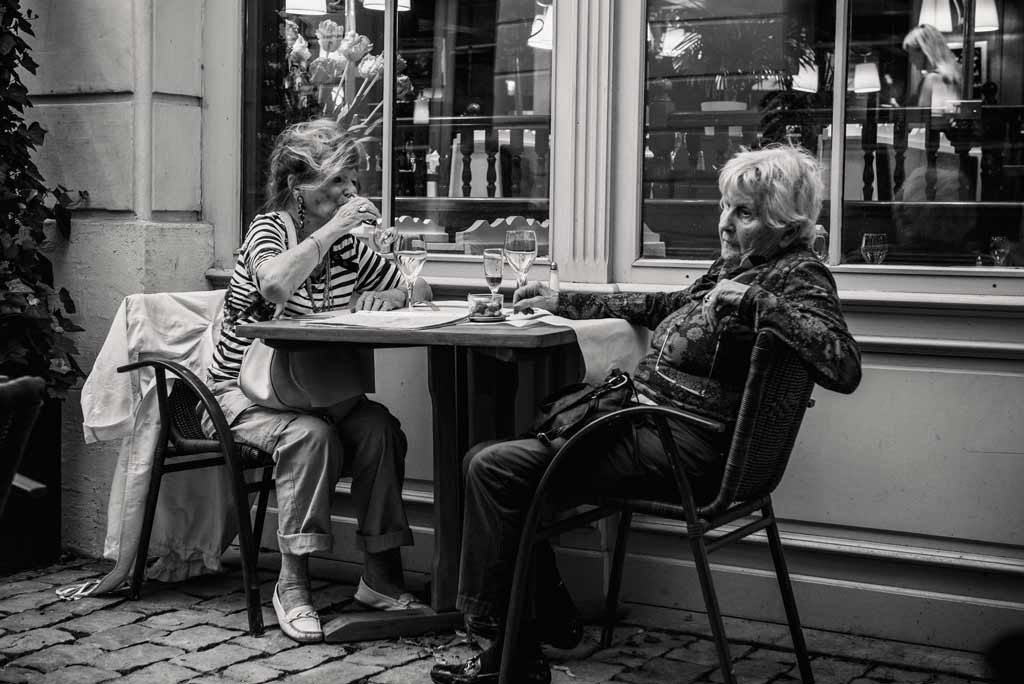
point(195, 632)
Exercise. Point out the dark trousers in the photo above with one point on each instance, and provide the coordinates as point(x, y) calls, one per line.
point(502, 478)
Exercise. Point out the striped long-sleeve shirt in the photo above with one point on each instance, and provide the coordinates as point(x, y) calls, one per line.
point(354, 267)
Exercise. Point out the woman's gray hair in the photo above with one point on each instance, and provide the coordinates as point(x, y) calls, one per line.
point(306, 155)
point(784, 183)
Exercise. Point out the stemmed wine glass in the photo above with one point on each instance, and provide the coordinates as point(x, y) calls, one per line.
point(874, 247)
point(494, 259)
point(520, 251)
point(408, 250)
point(999, 248)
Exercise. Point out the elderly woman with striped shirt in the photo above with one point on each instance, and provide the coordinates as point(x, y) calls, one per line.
point(312, 186)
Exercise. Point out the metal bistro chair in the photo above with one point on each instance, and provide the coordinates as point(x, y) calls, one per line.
point(777, 392)
point(20, 402)
point(183, 446)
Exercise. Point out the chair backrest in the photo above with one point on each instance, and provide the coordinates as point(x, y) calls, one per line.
point(776, 394)
point(185, 433)
point(20, 401)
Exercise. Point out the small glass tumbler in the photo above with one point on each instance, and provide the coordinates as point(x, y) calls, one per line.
point(494, 262)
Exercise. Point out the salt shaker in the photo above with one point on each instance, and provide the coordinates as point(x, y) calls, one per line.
point(553, 277)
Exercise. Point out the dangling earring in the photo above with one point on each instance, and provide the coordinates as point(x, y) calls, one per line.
point(301, 203)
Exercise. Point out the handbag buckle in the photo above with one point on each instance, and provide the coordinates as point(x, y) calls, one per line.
point(618, 381)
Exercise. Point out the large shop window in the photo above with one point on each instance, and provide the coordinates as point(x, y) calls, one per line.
point(932, 168)
point(469, 120)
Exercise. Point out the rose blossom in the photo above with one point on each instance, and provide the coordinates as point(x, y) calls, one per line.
point(371, 66)
point(355, 45)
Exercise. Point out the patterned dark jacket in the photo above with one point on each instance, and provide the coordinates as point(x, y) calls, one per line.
point(693, 367)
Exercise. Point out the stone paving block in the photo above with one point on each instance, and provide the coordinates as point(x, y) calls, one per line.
point(33, 601)
point(208, 586)
point(661, 670)
point(583, 672)
point(410, 673)
point(17, 644)
point(272, 642)
point(240, 619)
point(135, 657)
point(33, 619)
point(196, 638)
point(9, 589)
point(884, 673)
point(754, 671)
point(180, 619)
point(638, 649)
point(703, 652)
point(250, 673)
point(120, 637)
point(62, 577)
point(225, 603)
point(387, 654)
point(216, 658)
point(767, 654)
point(89, 604)
point(945, 679)
point(19, 675)
point(160, 601)
point(304, 657)
point(338, 672)
point(101, 621)
point(80, 674)
point(832, 671)
point(938, 660)
point(159, 673)
point(56, 657)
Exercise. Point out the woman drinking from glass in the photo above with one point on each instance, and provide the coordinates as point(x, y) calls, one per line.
point(767, 278)
point(312, 195)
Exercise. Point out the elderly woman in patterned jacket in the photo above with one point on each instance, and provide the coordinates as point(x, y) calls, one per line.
point(766, 279)
point(312, 186)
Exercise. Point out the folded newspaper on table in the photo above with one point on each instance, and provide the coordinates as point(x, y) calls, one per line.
point(397, 319)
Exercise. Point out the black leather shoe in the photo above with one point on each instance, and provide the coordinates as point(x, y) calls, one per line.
point(476, 671)
point(558, 620)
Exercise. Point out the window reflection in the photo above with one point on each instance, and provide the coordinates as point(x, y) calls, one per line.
point(720, 76)
point(933, 154)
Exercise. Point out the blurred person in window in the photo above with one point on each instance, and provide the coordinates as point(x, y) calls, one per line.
point(940, 71)
point(312, 186)
point(767, 279)
point(926, 227)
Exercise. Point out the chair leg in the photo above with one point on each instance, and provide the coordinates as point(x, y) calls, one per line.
point(240, 493)
point(615, 580)
point(707, 587)
point(261, 509)
point(141, 554)
point(788, 599)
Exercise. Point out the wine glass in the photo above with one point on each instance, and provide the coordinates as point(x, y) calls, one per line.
point(999, 248)
point(874, 247)
point(383, 237)
point(410, 255)
point(494, 259)
point(520, 251)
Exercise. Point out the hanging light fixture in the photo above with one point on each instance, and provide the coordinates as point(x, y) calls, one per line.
point(403, 5)
point(543, 30)
point(936, 13)
point(307, 7)
point(986, 18)
point(865, 78)
point(806, 79)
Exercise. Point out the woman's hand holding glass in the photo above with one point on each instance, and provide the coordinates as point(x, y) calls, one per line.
point(351, 215)
point(534, 296)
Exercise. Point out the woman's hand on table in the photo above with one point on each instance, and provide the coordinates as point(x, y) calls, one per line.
point(350, 216)
point(534, 296)
point(383, 300)
point(723, 299)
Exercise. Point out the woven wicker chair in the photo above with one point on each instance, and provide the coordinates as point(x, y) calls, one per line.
point(183, 446)
point(776, 394)
point(20, 401)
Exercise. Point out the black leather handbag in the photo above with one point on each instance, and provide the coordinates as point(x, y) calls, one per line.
point(567, 411)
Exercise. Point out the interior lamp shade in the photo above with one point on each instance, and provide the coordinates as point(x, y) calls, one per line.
point(865, 78)
point(986, 18)
point(542, 32)
point(308, 7)
point(806, 80)
point(403, 5)
point(937, 14)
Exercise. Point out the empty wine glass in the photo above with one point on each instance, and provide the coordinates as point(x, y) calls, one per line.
point(494, 259)
point(520, 251)
point(410, 255)
point(874, 247)
point(383, 237)
point(999, 248)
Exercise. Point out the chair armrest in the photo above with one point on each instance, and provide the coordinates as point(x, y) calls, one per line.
point(200, 389)
point(28, 486)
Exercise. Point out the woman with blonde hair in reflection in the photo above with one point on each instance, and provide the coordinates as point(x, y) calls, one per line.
point(940, 83)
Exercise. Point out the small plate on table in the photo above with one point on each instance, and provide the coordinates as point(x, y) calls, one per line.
point(487, 319)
